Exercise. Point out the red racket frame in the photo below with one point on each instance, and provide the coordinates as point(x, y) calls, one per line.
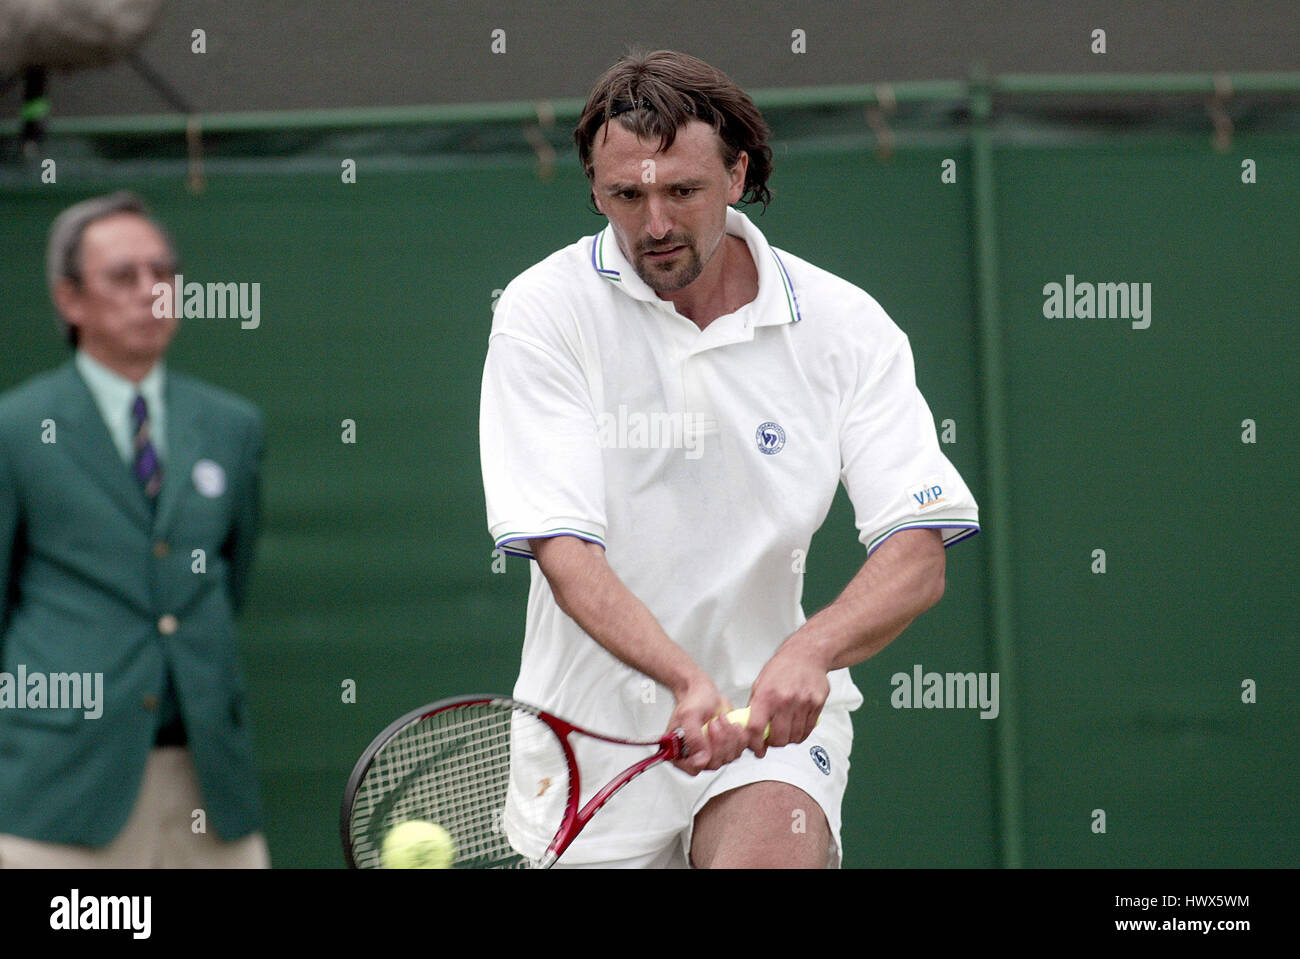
point(575, 819)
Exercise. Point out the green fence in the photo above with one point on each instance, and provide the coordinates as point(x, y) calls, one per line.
point(1120, 691)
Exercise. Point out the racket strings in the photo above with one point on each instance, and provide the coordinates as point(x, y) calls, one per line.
point(455, 768)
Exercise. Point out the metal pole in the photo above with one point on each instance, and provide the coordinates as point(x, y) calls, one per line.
point(567, 109)
point(996, 516)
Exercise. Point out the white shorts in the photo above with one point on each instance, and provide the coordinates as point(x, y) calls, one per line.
point(819, 766)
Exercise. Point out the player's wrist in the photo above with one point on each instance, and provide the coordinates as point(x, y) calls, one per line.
point(810, 645)
point(691, 684)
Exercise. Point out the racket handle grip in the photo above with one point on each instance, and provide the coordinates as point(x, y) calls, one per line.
point(740, 717)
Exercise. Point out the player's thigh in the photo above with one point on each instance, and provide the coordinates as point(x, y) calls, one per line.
point(781, 810)
point(762, 825)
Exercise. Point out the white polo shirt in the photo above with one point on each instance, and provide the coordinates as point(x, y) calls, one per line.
point(703, 461)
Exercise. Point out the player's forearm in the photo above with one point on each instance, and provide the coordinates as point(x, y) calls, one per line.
point(903, 578)
point(589, 592)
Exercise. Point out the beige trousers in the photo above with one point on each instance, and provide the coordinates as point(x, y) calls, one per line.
point(160, 833)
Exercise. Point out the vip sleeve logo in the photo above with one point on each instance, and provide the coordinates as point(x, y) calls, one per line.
point(927, 496)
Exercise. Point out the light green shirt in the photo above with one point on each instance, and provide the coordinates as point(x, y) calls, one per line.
point(114, 394)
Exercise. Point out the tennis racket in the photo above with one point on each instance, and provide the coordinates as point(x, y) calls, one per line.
point(500, 776)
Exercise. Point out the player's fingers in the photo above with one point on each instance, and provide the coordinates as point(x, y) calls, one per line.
point(711, 732)
point(708, 757)
point(798, 718)
point(759, 719)
point(782, 724)
point(695, 745)
point(726, 740)
point(693, 763)
point(717, 738)
point(806, 723)
point(731, 740)
point(702, 759)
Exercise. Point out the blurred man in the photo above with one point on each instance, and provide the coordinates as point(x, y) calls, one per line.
point(128, 514)
point(668, 407)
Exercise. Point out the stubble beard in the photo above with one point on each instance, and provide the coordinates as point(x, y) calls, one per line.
point(668, 278)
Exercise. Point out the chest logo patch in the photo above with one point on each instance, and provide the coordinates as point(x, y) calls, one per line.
point(770, 438)
point(209, 478)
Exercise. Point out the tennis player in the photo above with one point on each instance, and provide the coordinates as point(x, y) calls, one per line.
point(667, 409)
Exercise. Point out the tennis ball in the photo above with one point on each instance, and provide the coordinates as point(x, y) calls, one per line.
point(416, 844)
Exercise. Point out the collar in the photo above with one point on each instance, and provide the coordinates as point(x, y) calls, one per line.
point(775, 304)
point(113, 392)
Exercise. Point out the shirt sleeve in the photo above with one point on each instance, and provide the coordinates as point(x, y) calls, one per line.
point(895, 474)
point(543, 473)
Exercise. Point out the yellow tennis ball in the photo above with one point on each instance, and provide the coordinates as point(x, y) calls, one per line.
point(416, 844)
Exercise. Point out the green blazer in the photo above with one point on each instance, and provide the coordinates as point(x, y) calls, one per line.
point(95, 581)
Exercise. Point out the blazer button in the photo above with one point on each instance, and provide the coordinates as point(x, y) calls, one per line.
point(168, 624)
point(161, 549)
point(149, 701)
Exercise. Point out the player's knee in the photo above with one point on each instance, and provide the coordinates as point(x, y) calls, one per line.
point(767, 825)
point(805, 851)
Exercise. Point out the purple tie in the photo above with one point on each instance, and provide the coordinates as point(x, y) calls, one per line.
point(147, 469)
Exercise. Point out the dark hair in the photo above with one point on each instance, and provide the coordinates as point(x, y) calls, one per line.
point(655, 94)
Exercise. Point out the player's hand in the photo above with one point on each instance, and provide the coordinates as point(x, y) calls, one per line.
point(700, 704)
point(789, 694)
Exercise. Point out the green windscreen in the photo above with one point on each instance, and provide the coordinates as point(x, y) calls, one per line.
point(376, 573)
